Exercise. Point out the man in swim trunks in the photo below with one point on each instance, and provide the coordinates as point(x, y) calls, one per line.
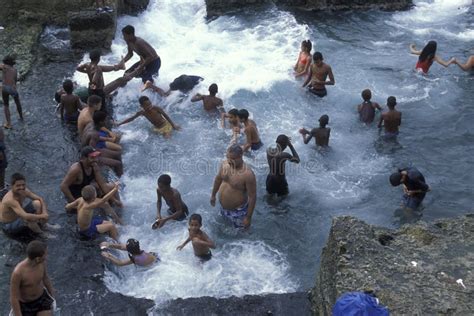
point(210, 102)
point(14, 216)
point(320, 134)
point(84, 172)
point(31, 292)
point(391, 119)
point(177, 210)
point(149, 64)
point(69, 103)
point(155, 115)
point(10, 77)
point(183, 83)
point(414, 186)
point(318, 73)
point(277, 157)
point(253, 141)
point(237, 189)
point(367, 108)
point(85, 116)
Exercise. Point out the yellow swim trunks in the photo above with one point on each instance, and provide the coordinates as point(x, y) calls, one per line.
point(165, 130)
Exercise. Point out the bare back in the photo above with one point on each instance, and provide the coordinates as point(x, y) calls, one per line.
point(31, 280)
point(10, 75)
point(85, 117)
point(71, 103)
point(321, 136)
point(143, 49)
point(392, 120)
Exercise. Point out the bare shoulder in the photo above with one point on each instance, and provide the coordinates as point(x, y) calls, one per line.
point(248, 172)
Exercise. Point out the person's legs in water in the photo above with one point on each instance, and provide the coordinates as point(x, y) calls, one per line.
point(18, 106)
point(319, 92)
point(6, 108)
point(108, 227)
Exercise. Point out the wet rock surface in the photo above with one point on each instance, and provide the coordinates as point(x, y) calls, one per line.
point(92, 30)
point(413, 270)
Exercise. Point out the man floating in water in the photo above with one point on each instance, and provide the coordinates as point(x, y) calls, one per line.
point(237, 189)
point(318, 73)
point(391, 119)
point(414, 186)
point(320, 134)
point(276, 157)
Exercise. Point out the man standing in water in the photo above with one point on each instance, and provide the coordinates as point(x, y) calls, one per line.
point(149, 63)
point(276, 157)
point(31, 292)
point(414, 186)
point(367, 108)
point(391, 119)
point(318, 73)
point(237, 189)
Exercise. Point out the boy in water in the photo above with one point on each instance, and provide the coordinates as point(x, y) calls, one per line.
point(90, 227)
point(210, 102)
point(201, 242)
point(318, 73)
point(177, 209)
point(87, 113)
point(253, 141)
point(321, 134)
point(10, 77)
point(69, 103)
point(162, 122)
point(391, 119)
point(367, 108)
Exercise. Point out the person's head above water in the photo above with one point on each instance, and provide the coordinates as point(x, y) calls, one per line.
point(307, 46)
point(68, 86)
point(283, 141)
point(9, 60)
point(36, 251)
point(94, 55)
point(89, 153)
point(197, 218)
point(99, 119)
point(94, 101)
point(391, 102)
point(213, 89)
point(396, 178)
point(164, 182)
point(367, 95)
point(88, 193)
point(243, 115)
point(144, 102)
point(128, 33)
point(323, 120)
point(318, 58)
point(234, 156)
point(133, 246)
point(428, 52)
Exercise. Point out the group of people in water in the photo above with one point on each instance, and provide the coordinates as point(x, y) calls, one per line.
point(86, 190)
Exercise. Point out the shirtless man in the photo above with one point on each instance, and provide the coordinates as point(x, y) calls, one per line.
point(95, 73)
point(468, 66)
point(276, 158)
point(69, 103)
point(31, 292)
point(10, 77)
point(320, 134)
point(85, 172)
point(14, 217)
point(177, 209)
point(162, 122)
point(253, 141)
point(237, 189)
point(391, 119)
point(149, 63)
point(210, 102)
point(367, 108)
point(94, 103)
point(318, 73)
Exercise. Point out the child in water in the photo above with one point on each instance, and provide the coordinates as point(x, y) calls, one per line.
point(135, 254)
point(201, 242)
point(321, 134)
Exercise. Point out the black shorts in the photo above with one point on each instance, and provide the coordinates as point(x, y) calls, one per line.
point(43, 303)
point(277, 185)
point(319, 92)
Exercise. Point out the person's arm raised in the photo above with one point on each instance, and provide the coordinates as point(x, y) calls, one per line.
point(414, 51)
point(295, 157)
point(99, 201)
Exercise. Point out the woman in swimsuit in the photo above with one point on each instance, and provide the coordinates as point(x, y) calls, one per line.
point(135, 254)
point(304, 59)
point(427, 57)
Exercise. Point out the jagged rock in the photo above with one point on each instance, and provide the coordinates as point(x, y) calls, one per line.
point(413, 270)
point(89, 29)
point(132, 7)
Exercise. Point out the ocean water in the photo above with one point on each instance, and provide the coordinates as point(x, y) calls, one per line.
point(250, 56)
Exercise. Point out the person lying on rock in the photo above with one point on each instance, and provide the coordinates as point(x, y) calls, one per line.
point(136, 256)
point(202, 244)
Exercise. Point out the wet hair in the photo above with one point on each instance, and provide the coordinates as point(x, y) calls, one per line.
point(88, 193)
point(9, 60)
point(308, 45)
point(36, 249)
point(165, 179)
point(366, 95)
point(133, 247)
point(428, 52)
point(236, 150)
point(17, 177)
point(233, 112)
point(68, 86)
point(323, 120)
point(213, 89)
point(95, 55)
point(317, 56)
point(98, 116)
point(282, 140)
point(94, 100)
point(196, 217)
point(142, 100)
point(395, 178)
point(244, 114)
point(391, 101)
point(129, 30)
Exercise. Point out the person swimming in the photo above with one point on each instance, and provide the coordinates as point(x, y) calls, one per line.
point(428, 56)
point(136, 256)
